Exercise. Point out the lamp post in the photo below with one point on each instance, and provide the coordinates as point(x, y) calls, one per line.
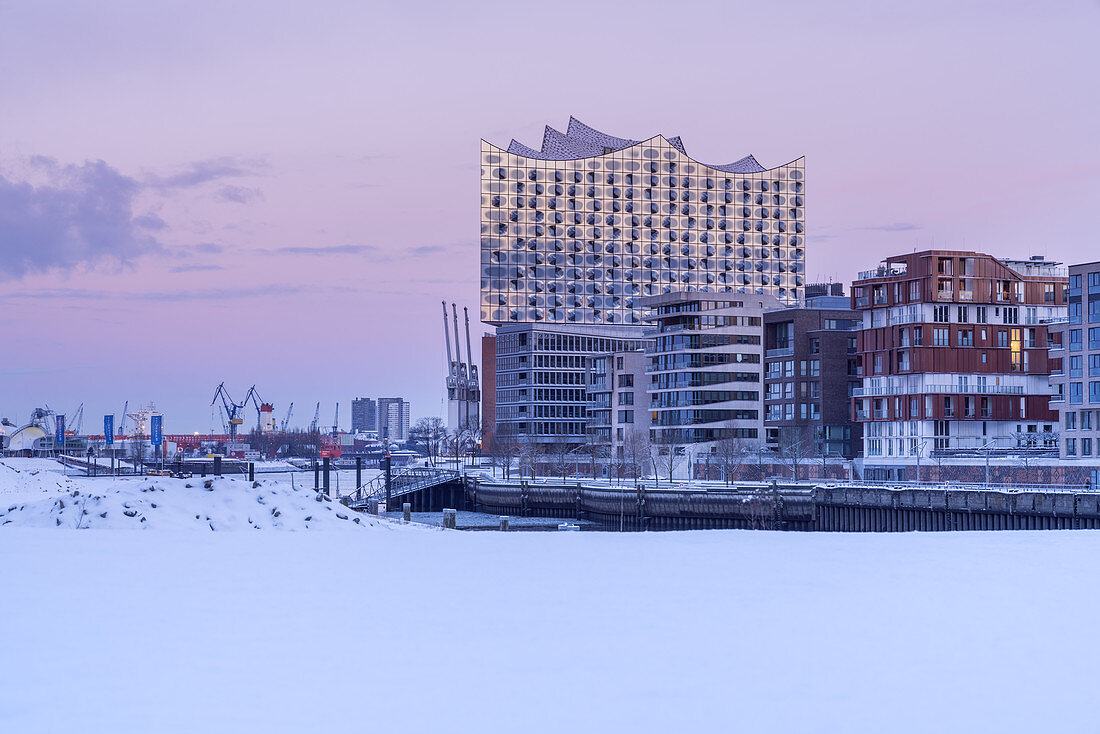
point(988, 448)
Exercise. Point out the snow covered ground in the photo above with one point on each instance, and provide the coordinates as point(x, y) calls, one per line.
point(390, 628)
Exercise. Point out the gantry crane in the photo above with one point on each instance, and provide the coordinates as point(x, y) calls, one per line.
point(232, 409)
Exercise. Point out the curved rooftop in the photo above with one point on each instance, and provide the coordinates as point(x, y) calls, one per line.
point(581, 141)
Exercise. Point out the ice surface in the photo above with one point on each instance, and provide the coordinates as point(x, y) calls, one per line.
point(410, 630)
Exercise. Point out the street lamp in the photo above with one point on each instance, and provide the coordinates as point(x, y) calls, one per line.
point(988, 448)
point(920, 450)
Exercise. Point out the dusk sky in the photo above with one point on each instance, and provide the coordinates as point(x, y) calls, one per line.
point(280, 194)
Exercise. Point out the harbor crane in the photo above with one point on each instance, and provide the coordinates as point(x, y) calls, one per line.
point(262, 407)
point(336, 421)
point(232, 409)
point(122, 421)
point(316, 417)
point(286, 421)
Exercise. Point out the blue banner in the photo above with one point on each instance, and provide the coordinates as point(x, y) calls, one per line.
point(109, 430)
point(59, 437)
point(156, 430)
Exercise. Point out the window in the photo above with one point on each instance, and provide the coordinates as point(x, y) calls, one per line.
point(815, 346)
point(1075, 339)
point(1086, 447)
point(626, 398)
point(918, 336)
point(1075, 283)
point(948, 406)
point(626, 380)
point(966, 337)
point(626, 416)
point(1086, 420)
point(1094, 392)
point(1075, 393)
point(1094, 337)
point(1094, 282)
point(964, 312)
point(939, 337)
point(1012, 315)
point(1071, 420)
point(1094, 365)
point(979, 315)
point(1075, 365)
point(1071, 447)
point(941, 314)
point(1048, 293)
point(1002, 338)
point(1094, 310)
point(1075, 312)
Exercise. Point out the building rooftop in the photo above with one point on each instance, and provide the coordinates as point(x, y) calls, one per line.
point(581, 141)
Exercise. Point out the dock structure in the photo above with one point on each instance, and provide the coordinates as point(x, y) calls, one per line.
point(773, 505)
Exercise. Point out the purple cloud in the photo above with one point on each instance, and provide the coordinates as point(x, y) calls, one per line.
point(81, 216)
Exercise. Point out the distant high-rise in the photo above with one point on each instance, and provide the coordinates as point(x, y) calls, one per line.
point(393, 419)
point(578, 231)
point(364, 415)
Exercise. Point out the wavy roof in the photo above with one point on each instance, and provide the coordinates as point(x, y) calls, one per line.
point(581, 141)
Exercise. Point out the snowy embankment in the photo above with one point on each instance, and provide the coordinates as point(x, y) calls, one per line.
point(34, 496)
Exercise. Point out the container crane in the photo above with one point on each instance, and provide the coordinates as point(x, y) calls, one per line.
point(232, 409)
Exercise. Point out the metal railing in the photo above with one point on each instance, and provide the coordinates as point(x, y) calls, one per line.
point(402, 483)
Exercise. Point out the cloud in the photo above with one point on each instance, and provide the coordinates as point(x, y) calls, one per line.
point(329, 250)
point(209, 247)
point(198, 173)
point(240, 194)
point(192, 294)
point(150, 221)
point(195, 268)
point(895, 227)
point(425, 250)
point(80, 216)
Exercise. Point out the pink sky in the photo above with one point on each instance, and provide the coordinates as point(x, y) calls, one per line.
point(287, 191)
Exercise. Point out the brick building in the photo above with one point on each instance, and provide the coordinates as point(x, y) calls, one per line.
point(811, 371)
point(953, 348)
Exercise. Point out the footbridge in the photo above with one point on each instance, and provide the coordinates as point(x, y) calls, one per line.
point(427, 489)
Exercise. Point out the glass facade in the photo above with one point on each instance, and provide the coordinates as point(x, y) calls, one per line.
point(579, 231)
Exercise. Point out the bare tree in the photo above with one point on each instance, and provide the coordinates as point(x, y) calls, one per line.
point(1031, 445)
point(731, 452)
point(432, 432)
point(595, 450)
point(560, 454)
point(760, 507)
point(528, 454)
point(666, 457)
point(794, 446)
point(636, 453)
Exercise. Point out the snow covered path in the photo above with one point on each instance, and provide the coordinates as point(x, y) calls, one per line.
point(395, 630)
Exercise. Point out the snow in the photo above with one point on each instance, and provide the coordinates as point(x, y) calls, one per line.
point(393, 628)
point(37, 498)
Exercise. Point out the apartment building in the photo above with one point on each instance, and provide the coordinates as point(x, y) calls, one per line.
point(953, 348)
point(811, 372)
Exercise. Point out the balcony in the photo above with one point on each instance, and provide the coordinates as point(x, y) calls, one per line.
point(975, 389)
point(945, 295)
point(866, 392)
point(861, 415)
point(1057, 398)
point(966, 295)
point(780, 352)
